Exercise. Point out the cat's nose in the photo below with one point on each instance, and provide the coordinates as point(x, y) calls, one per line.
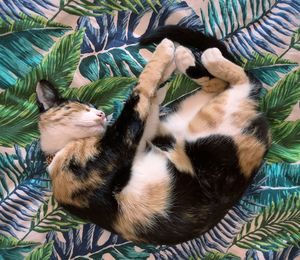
point(101, 114)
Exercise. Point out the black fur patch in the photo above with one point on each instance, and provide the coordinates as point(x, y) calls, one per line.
point(259, 128)
point(164, 142)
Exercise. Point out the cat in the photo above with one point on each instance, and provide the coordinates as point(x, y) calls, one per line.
point(151, 180)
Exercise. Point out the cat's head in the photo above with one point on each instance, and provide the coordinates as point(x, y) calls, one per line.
point(62, 121)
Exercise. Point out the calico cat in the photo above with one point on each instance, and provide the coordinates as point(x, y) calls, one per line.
point(160, 181)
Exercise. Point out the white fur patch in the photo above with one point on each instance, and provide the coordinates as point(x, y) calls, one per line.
point(184, 59)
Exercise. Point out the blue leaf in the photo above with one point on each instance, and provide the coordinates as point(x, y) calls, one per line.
point(22, 188)
point(110, 43)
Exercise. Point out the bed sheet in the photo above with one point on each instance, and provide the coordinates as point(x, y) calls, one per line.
point(89, 50)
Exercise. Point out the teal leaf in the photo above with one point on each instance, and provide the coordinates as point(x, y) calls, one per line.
point(42, 252)
point(278, 103)
point(276, 227)
point(21, 44)
point(273, 182)
point(267, 68)
point(11, 248)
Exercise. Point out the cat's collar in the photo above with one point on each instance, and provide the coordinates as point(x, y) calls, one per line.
point(49, 158)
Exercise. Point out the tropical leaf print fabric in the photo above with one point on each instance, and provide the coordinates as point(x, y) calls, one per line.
point(89, 50)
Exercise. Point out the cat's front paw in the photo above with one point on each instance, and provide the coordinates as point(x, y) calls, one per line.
point(212, 58)
point(165, 51)
point(184, 59)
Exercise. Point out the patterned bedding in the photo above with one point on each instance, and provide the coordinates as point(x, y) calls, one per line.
point(89, 50)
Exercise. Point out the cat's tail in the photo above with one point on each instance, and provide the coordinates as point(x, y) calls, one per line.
point(186, 37)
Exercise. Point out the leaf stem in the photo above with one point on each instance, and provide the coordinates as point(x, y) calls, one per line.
point(61, 8)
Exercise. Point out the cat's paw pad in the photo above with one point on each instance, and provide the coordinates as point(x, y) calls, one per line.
point(165, 50)
point(211, 57)
point(184, 59)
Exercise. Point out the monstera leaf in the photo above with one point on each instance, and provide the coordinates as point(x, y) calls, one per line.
point(248, 26)
point(22, 43)
point(24, 185)
point(276, 227)
point(110, 45)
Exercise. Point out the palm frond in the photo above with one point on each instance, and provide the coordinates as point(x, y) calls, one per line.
point(12, 8)
point(266, 68)
point(220, 256)
point(17, 103)
point(11, 248)
point(280, 100)
point(110, 45)
point(51, 217)
point(98, 8)
point(21, 44)
point(42, 252)
point(275, 228)
point(103, 93)
point(248, 26)
point(286, 142)
point(24, 184)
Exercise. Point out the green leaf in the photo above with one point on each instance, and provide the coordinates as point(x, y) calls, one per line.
point(267, 67)
point(219, 256)
point(51, 217)
point(42, 252)
point(280, 100)
point(11, 248)
point(276, 227)
point(103, 93)
point(21, 43)
point(179, 87)
point(18, 114)
point(286, 142)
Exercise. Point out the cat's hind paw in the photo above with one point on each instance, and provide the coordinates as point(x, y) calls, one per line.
point(165, 51)
point(184, 59)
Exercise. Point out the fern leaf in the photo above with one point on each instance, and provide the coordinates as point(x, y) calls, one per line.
point(279, 101)
point(267, 67)
point(276, 227)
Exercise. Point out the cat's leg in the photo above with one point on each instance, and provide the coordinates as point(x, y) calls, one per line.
point(187, 63)
point(230, 103)
point(130, 125)
point(222, 68)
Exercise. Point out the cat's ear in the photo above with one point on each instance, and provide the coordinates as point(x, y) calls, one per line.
point(47, 95)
